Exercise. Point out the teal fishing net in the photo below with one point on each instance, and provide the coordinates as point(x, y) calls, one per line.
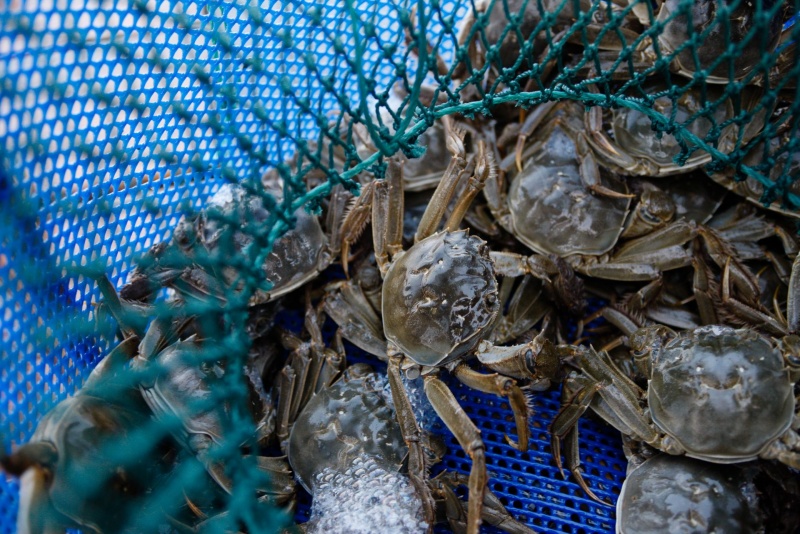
point(119, 118)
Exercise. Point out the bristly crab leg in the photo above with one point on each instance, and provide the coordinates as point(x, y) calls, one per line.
point(447, 187)
point(485, 169)
point(354, 222)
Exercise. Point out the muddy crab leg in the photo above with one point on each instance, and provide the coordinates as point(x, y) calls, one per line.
point(469, 437)
point(417, 470)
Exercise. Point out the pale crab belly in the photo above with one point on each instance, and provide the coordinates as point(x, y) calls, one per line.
point(553, 213)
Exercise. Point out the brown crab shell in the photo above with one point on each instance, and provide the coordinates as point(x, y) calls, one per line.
point(440, 297)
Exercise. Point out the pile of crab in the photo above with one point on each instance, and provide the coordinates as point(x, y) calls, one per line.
point(560, 248)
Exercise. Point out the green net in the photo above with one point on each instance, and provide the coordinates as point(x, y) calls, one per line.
point(119, 121)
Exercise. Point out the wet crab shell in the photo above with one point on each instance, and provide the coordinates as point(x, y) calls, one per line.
point(348, 420)
point(90, 483)
point(679, 494)
point(719, 35)
point(296, 257)
point(553, 212)
point(633, 130)
point(722, 393)
point(440, 297)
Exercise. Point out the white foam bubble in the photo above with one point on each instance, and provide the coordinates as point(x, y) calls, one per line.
point(364, 499)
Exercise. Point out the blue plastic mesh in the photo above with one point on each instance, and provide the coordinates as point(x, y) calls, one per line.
point(116, 117)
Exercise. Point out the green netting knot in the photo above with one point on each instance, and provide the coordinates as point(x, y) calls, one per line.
point(379, 170)
point(285, 36)
point(315, 14)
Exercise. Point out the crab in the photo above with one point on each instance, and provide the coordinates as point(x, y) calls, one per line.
point(337, 420)
point(505, 44)
point(355, 306)
point(348, 432)
point(714, 393)
point(735, 294)
point(71, 472)
point(758, 38)
point(439, 306)
point(179, 372)
point(586, 209)
point(229, 223)
point(679, 494)
point(71, 444)
point(786, 163)
point(635, 148)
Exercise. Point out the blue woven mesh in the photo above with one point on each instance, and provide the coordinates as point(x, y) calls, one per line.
point(115, 118)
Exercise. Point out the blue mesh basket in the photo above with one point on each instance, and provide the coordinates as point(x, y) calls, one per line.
point(115, 118)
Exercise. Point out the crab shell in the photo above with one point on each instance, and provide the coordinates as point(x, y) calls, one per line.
point(633, 130)
point(440, 297)
point(90, 486)
point(553, 212)
point(297, 257)
point(722, 393)
point(718, 37)
point(345, 421)
point(678, 494)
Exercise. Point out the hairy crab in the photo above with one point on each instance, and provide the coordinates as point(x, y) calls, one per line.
point(679, 494)
point(179, 373)
point(634, 147)
point(230, 224)
point(439, 304)
point(715, 393)
point(73, 475)
point(587, 209)
point(338, 426)
point(716, 31)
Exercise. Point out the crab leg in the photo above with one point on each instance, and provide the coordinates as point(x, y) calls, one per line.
point(486, 168)
point(572, 451)
point(412, 436)
point(531, 122)
point(567, 419)
point(380, 210)
point(34, 515)
point(469, 437)
point(354, 222)
point(335, 219)
point(793, 298)
point(515, 265)
point(394, 216)
point(494, 513)
point(358, 321)
point(502, 386)
point(526, 307)
point(590, 171)
point(454, 137)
